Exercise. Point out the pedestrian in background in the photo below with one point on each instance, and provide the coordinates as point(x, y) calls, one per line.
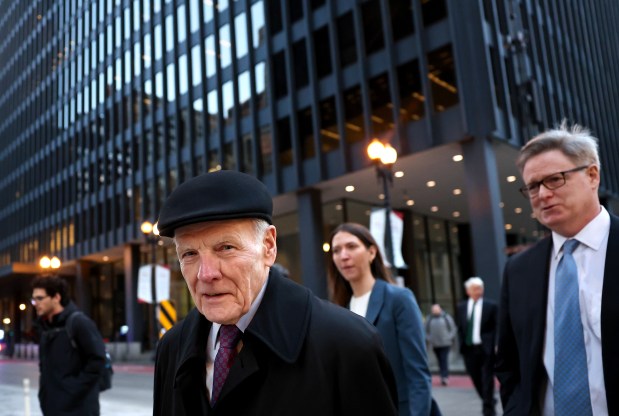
point(360, 281)
point(257, 343)
point(70, 365)
point(477, 328)
point(440, 333)
point(558, 345)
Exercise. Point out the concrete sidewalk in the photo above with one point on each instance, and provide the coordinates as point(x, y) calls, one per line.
point(459, 397)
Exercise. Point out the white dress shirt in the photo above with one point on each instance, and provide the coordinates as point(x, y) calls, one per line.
point(590, 256)
point(477, 321)
point(212, 343)
point(359, 305)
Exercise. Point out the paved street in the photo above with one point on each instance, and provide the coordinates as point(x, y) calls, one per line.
point(131, 393)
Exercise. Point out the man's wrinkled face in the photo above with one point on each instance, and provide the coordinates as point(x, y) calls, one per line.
point(225, 264)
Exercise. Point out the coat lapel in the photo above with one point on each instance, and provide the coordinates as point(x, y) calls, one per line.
point(281, 324)
point(377, 299)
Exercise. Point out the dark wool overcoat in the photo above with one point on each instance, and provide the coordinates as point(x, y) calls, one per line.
point(301, 356)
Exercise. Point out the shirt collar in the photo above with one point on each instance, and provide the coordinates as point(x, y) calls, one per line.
point(592, 235)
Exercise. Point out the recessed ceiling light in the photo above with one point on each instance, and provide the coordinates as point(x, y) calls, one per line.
point(431, 184)
point(518, 210)
point(326, 247)
point(508, 227)
point(381, 196)
point(410, 202)
point(456, 214)
point(457, 158)
point(457, 191)
point(511, 178)
point(501, 205)
point(106, 258)
point(398, 174)
point(434, 208)
point(350, 188)
point(338, 207)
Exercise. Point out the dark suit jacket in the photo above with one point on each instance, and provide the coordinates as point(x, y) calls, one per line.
point(488, 327)
point(522, 326)
point(301, 356)
point(396, 315)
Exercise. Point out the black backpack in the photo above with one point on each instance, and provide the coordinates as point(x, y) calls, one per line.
point(105, 380)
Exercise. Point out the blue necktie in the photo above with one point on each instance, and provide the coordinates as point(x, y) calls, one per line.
point(571, 379)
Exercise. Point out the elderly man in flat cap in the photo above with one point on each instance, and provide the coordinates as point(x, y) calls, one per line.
point(257, 343)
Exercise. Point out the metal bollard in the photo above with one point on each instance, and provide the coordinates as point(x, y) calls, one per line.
point(26, 397)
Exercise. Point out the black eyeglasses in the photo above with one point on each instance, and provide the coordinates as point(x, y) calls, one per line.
point(35, 299)
point(551, 182)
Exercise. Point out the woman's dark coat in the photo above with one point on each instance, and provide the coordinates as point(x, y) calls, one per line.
point(301, 356)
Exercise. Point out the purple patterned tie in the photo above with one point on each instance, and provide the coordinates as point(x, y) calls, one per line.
point(229, 336)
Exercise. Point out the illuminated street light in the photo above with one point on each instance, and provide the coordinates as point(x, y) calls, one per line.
point(48, 264)
point(151, 233)
point(384, 156)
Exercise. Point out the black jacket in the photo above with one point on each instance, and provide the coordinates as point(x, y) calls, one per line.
point(69, 377)
point(301, 356)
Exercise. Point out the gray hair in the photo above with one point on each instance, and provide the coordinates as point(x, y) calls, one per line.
point(473, 281)
point(575, 142)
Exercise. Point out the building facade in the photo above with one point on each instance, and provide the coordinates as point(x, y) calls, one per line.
point(107, 105)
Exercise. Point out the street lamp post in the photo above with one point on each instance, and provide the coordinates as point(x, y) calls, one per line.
point(384, 156)
point(151, 233)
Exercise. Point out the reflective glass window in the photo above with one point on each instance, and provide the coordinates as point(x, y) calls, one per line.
point(227, 97)
point(158, 43)
point(346, 39)
point(299, 54)
point(372, 27)
point(194, 16)
point(136, 14)
point(183, 73)
point(127, 23)
point(222, 5)
point(146, 11)
point(240, 35)
point(209, 7)
point(212, 109)
point(261, 84)
point(433, 11)
point(442, 75)
point(196, 66)
point(382, 105)
point(257, 24)
point(266, 149)
point(171, 76)
point(210, 56)
point(401, 14)
point(128, 74)
point(148, 55)
point(225, 45)
point(353, 115)
point(306, 133)
point(244, 93)
point(159, 84)
point(322, 52)
point(279, 72)
point(284, 142)
point(118, 73)
point(329, 136)
point(117, 32)
point(169, 33)
point(137, 59)
point(411, 96)
point(181, 22)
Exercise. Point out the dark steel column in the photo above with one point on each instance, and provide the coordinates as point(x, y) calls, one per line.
point(313, 268)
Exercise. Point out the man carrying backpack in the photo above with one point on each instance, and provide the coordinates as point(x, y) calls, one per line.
point(71, 360)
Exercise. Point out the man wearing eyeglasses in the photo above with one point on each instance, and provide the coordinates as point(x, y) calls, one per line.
point(69, 367)
point(558, 344)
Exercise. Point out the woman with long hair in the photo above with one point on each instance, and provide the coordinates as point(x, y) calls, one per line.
point(360, 282)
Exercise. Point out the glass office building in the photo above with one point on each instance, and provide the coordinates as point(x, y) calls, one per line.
point(107, 105)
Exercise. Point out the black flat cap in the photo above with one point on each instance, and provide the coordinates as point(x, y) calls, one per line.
point(219, 195)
